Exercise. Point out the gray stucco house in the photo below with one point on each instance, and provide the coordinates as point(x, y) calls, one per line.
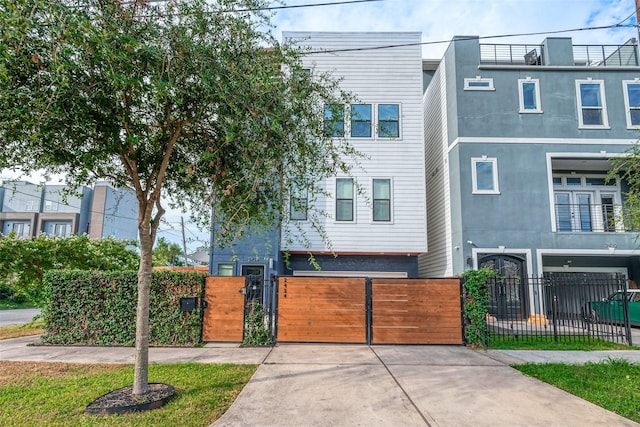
point(519, 140)
point(29, 210)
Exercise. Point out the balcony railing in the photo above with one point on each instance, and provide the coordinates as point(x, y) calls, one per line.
point(606, 55)
point(511, 54)
point(589, 218)
point(583, 55)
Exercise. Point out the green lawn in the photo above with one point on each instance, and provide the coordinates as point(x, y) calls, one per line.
point(56, 394)
point(612, 384)
point(533, 342)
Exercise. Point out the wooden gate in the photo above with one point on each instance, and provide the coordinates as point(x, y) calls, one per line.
point(322, 310)
point(224, 316)
point(406, 311)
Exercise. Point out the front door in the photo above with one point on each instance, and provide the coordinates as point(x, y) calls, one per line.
point(507, 299)
point(255, 284)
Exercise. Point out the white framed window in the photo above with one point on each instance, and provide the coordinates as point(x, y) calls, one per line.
point(299, 203)
point(484, 175)
point(334, 120)
point(381, 199)
point(344, 199)
point(478, 83)
point(631, 90)
point(388, 121)
point(60, 230)
point(592, 106)
point(361, 120)
point(50, 206)
point(529, 93)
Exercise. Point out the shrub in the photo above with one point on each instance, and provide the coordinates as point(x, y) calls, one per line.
point(476, 298)
point(99, 308)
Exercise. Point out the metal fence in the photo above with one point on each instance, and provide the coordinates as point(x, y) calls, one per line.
point(559, 308)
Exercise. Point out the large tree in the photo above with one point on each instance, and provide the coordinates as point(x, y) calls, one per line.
point(194, 100)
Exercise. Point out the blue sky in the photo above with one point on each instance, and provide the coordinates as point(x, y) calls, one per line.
point(442, 19)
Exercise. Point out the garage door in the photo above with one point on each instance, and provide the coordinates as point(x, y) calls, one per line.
point(322, 310)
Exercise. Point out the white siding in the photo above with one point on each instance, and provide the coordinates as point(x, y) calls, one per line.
point(437, 262)
point(381, 76)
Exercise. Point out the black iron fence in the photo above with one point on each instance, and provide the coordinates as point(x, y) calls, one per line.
point(559, 307)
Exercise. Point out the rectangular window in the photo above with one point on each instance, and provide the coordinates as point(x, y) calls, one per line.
point(298, 203)
point(388, 120)
point(50, 206)
point(632, 102)
point(361, 120)
point(18, 228)
point(60, 230)
point(334, 120)
point(344, 199)
point(529, 91)
point(484, 175)
point(225, 269)
point(382, 200)
point(478, 83)
point(592, 111)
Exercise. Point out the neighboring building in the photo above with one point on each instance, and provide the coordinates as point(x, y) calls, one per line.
point(29, 210)
point(519, 141)
point(381, 229)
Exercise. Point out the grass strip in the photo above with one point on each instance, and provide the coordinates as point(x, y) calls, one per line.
point(15, 331)
point(56, 394)
point(611, 384)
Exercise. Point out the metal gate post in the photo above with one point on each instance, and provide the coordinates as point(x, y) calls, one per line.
point(368, 310)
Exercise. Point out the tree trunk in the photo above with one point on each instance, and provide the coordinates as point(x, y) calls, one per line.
point(141, 369)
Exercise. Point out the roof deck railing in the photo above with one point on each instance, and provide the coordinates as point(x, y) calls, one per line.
point(583, 55)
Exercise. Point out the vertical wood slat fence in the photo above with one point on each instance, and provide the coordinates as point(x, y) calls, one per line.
point(344, 310)
point(224, 315)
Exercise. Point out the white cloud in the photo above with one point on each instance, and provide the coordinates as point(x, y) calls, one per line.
point(443, 19)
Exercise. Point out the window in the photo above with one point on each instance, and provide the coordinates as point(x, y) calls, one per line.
point(484, 175)
point(60, 230)
point(361, 120)
point(225, 269)
point(529, 91)
point(631, 90)
point(344, 199)
point(298, 203)
point(587, 203)
point(334, 120)
point(18, 228)
point(50, 206)
point(478, 83)
point(382, 200)
point(388, 120)
point(592, 111)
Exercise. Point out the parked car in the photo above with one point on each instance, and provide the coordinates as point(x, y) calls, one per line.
point(611, 309)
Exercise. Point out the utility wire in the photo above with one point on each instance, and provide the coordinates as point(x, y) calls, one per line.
point(537, 33)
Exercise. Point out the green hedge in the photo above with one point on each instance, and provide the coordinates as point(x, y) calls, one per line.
point(99, 308)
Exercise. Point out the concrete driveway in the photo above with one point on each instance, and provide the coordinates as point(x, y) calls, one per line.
point(342, 385)
point(17, 317)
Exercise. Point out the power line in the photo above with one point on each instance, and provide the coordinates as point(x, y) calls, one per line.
point(537, 33)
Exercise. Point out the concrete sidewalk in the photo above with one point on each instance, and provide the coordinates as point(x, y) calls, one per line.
point(359, 385)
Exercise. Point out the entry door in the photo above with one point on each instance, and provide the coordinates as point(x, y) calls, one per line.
point(255, 285)
point(508, 294)
point(573, 211)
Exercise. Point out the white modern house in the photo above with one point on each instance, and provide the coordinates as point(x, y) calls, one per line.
point(376, 218)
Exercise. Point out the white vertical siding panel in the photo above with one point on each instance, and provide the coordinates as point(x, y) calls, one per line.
point(437, 262)
point(377, 76)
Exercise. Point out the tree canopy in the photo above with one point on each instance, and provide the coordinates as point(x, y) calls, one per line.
point(193, 99)
point(165, 253)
